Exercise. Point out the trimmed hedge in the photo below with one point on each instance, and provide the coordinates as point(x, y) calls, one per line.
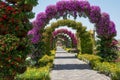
point(109, 68)
point(86, 42)
point(88, 58)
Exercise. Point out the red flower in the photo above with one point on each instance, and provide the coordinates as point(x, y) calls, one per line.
point(2, 5)
point(5, 16)
point(13, 63)
point(9, 8)
point(15, 12)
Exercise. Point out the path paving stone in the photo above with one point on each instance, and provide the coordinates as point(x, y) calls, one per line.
point(68, 67)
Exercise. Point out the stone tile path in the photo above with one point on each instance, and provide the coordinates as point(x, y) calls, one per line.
point(68, 67)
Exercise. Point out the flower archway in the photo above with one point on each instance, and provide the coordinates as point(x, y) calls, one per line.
point(105, 28)
point(85, 45)
point(62, 40)
point(69, 33)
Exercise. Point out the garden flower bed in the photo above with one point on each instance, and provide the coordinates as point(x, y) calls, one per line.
point(41, 72)
point(109, 68)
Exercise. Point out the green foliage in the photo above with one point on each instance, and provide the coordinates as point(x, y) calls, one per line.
point(88, 57)
point(86, 42)
point(40, 73)
point(31, 2)
point(119, 53)
point(46, 60)
point(14, 43)
point(53, 53)
point(35, 74)
point(108, 68)
point(30, 15)
point(13, 52)
point(39, 51)
point(106, 50)
point(86, 38)
point(67, 49)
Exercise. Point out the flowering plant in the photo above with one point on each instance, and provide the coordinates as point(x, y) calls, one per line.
point(14, 44)
point(12, 15)
point(8, 15)
point(13, 52)
point(78, 8)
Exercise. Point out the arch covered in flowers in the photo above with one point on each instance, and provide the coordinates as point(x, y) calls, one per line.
point(69, 33)
point(64, 39)
point(105, 28)
point(85, 45)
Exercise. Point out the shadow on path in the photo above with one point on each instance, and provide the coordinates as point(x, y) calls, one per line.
point(65, 57)
point(70, 66)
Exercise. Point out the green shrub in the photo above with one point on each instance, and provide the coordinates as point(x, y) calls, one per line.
point(107, 68)
point(88, 57)
point(35, 74)
point(110, 69)
point(86, 43)
point(53, 53)
point(41, 73)
point(107, 49)
point(46, 60)
point(67, 49)
point(119, 53)
point(116, 74)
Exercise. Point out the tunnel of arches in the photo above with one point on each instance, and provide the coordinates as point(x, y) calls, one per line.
point(105, 28)
point(85, 45)
point(67, 40)
point(62, 40)
point(67, 33)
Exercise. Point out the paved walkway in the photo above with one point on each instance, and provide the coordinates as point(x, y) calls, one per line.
point(68, 67)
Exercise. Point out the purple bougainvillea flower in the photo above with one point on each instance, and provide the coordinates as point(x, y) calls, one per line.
point(104, 27)
point(95, 14)
point(51, 11)
point(61, 7)
point(111, 29)
point(41, 19)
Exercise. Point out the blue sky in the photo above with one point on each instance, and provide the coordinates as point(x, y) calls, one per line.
point(109, 6)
